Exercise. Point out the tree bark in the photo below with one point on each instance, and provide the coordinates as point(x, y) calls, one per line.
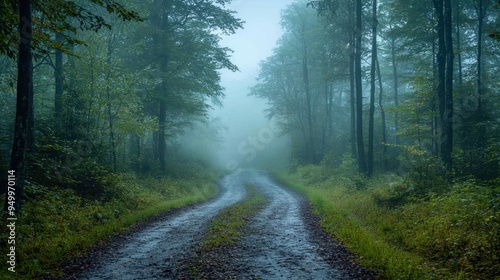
point(352, 82)
point(359, 91)
point(481, 143)
point(58, 73)
point(447, 135)
point(305, 76)
point(162, 143)
point(112, 141)
point(23, 105)
point(371, 121)
point(396, 86)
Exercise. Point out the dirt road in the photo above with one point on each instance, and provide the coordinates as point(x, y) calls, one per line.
point(278, 243)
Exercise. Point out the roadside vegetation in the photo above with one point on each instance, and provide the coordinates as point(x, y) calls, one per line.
point(59, 223)
point(402, 231)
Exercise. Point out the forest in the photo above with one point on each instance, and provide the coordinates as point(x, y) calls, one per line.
point(391, 109)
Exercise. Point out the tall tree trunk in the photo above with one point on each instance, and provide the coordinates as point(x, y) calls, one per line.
point(371, 120)
point(23, 105)
point(442, 63)
point(458, 21)
point(112, 142)
point(58, 73)
point(162, 143)
point(305, 76)
point(481, 143)
point(382, 115)
point(396, 86)
point(352, 81)
point(447, 135)
point(359, 91)
point(434, 119)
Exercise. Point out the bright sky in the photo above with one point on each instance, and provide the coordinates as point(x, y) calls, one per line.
point(256, 41)
point(242, 115)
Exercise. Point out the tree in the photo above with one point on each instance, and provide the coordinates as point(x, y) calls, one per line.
point(359, 90)
point(23, 108)
point(185, 56)
point(28, 40)
point(374, 61)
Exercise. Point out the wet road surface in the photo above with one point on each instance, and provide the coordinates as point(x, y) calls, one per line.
point(276, 246)
point(149, 252)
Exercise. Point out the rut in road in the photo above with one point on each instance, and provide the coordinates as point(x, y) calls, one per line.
point(151, 251)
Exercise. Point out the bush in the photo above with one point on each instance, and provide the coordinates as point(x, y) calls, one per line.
point(65, 165)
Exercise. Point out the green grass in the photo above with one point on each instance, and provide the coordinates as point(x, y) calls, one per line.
point(223, 232)
point(56, 224)
point(450, 236)
point(226, 228)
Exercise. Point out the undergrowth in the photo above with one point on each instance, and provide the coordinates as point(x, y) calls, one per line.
point(56, 224)
point(401, 233)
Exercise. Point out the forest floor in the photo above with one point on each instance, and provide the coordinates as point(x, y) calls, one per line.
point(282, 240)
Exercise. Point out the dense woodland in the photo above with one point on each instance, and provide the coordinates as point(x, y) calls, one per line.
point(92, 89)
point(399, 84)
point(109, 86)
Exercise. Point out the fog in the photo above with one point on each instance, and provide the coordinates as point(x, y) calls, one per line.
point(249, 137)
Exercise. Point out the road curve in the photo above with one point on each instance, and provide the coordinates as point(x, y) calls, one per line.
point(151, 251)
point(277, 243)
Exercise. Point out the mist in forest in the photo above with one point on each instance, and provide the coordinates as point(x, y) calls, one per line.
point(249, 136)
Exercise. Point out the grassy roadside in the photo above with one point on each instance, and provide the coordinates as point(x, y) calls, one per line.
point(224, 231)
point(446, 237)
point(57, 224)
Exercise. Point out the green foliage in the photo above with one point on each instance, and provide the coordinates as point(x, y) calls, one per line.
point(459, 230)
point(50, 17)
point(408, 232)
point(71, 165)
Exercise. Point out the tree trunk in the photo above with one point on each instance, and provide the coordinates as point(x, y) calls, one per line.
point(352, 83)
point(459, 43)
point(23, 106)
point(162, 143)
point(382, 115)
point(112, 142)
point(447, 135)
point(359, 90)
point(395, 85)
point(443, 63)
point(58, 73)
point(481, 143)
point(305, 76)
point(371, 121)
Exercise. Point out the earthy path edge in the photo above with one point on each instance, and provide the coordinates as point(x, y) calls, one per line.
point(333, 252)
point(96, 253)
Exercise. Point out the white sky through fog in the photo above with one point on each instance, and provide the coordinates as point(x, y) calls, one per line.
point(242, 115)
